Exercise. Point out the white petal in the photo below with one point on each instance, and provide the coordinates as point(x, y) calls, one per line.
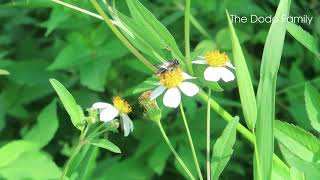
point(189, 88)
point(101, 105)
point(157, 92)
point(212, 74)
point(186, 76)
point(127, 124)
point(226, 75)
point(230, 65)
point(172, 98)
point(199, 61)
point(108, 114)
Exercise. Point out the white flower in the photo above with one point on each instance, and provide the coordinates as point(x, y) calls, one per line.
point(121, 108)
point(218, 63)
point(173, 82)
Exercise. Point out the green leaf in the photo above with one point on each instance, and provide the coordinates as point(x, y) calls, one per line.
point(105, 144)
point(303, 37)
point(266, 91)
point(300, 142)
point(160, 154)
point(247, 96)
point(279, 172)
point(11, 151)
point(223, 149)
point(312, 100)
point(46, 126)
point(311, 170)
point(31, 165)
point(146, 85)
point(69, 103)
point(144, 17)
point(4, 72)
point(296, 174)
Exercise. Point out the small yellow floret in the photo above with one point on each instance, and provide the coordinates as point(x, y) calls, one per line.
point(122, 105)
point(171, 78)
point(216, 59)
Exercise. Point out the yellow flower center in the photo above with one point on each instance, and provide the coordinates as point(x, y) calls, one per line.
point(216, 59)
point(171, 78)
point(122, 105)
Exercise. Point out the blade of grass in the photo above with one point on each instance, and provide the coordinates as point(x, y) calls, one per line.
point(266, 90)
point(246, 90)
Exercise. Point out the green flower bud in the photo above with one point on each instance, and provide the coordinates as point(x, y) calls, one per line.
point(151, 108)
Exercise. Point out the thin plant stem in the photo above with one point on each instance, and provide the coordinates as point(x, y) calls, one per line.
point(174, 152)
point(121, 37)
point(214, 105)
point(240, 128)
point(78, 9)
point(195, 159)
point(256, 154)
point(76, 151)
point(208, 136)
point(187, 35)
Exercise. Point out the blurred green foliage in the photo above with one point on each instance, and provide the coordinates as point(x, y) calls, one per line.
point(41, 40)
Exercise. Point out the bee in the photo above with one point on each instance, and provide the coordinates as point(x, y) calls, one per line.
point(168, 66)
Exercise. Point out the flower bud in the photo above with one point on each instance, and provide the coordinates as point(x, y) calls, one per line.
point(92, 115)
point(151, 108)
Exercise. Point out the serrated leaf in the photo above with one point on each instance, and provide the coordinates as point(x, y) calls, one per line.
point(105, 144)
point(302, 143)
point(270, 64)
point(68, 102)
point(223, 149)
point(303, 37)
point(312, 100)
point(11, 151)
point(247, 95)
point(311, 170)
point(46, 127)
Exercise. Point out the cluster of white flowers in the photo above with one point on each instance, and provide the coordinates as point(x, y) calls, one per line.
point(171, 82)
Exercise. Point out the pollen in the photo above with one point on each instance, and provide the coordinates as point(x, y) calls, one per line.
point(122, 105)
point(216, 59)
point(171, 79)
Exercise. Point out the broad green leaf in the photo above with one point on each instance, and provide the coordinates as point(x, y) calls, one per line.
point(301, 143)
point(247, 96)
point(11, 151)
point(4, 72)
point(223, 149)
point(105, 144)
point(312, 100)
point(68, 102)
point(279, 172)
point(271, 58)
point(296, 174)
point(31, 165)
point(303, 37)
point(94, 74)
point(88, 163)
point(149, 21)
point(158, 159)
point(57, 17)
point(46, 127)
point(311, 170)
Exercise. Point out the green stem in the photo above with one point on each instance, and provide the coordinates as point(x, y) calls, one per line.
point(174, 152)
point(208, 136)
point(256, 154)
point(76, 150)
point(195, 159)
point(74, 153)
point(240, 128)
point(225, 115)
point(187, 35)
point(121, 37)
